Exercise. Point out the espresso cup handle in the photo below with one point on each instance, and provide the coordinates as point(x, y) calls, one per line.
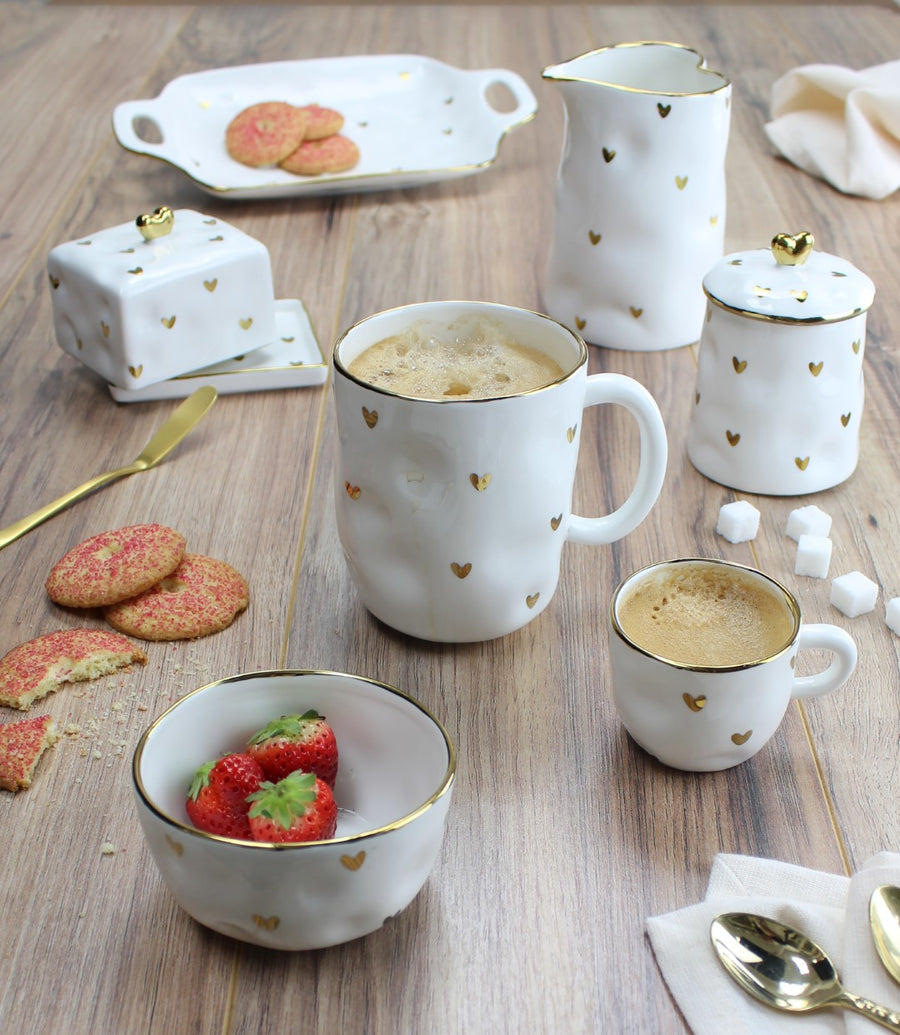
point(841, 645)
point(625, 391)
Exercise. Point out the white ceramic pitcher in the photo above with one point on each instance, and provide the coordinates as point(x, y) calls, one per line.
point(640, 194)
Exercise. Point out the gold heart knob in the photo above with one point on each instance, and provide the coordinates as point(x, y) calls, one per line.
point(480, 481)
point(792, 249)
point(370, 417)
point(694, 703)
point(741, 738)
point(157, 223)
point(461, 570)
point(353, 862)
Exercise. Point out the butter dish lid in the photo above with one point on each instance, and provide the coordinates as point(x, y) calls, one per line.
point(789, 282)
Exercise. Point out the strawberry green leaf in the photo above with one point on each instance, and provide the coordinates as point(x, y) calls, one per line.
point(200, 780)
point(285, 801)
point(289, 726)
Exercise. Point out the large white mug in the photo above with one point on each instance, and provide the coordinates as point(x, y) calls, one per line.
point(453, 512)
point(703, 654)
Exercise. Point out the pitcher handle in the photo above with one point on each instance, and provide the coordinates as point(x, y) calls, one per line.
point(625, 391)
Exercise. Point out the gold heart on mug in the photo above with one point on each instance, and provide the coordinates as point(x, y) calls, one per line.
point(635, 311)
point(663, 109)
point(595, 238)
point(246, 323)
point(696, 398)
point(480, 481)
point(856, 346)
point(556, 522)
point(219, 237)
point(733, 437)
point(845, 419)
point(104, 329)
point(168, 321)
point(176, 846)
point(352, 490)
point(740, 365)
point(137, 271)
point(211, 285)
point(713, 220)
point(136, 371)
point(681, 182)
point(815, 368)
point(694, 703)
point(531, 600)
point(353, 862)
point(579, 323)
point(570, 433)
point(461, 570)
point(741, 738)
point(267, 923)
point(802, 462)
point(370, 417)
point(792, 249)
point(54, 281)
point(608, 155)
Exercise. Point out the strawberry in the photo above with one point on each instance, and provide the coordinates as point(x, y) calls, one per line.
point(293, 742)
point(300, 807)
point(217, 799)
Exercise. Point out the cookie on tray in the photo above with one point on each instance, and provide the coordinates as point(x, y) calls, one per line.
point(36, 668)
point(333, 154)
point(202, 596)
point(265, 133)
point(322, 122)
point(115, 565)
point(21, 745)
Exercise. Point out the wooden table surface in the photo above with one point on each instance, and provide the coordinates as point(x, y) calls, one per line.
point(563, 836)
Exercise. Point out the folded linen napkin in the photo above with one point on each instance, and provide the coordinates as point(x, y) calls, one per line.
point(841, 125)
point(832, 910)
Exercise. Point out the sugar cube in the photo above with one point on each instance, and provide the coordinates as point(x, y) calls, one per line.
point(853, 594)
point(808, 521)
point(892, 615)
point(738, 521)
point(813, 556)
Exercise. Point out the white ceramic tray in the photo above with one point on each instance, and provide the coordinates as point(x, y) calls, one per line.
point(293, 360)
point(415, 120)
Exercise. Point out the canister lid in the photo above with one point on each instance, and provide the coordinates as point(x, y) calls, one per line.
point(789, 282)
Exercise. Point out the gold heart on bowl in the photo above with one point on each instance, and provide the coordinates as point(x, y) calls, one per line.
point(792, 249)
point(815, 368)
point(532, 599)
point(595, 238)
point(694, 703)
point(663, 109)
point(211, 285)
point(352, 490)
point(461, 570)
point(580, 323)
point(733, 437)
point(246, 323)
point(802, 462)
point(136, 371)
point(608, 155)
point(168, 321)
point(741, 738)
point(740, 365)
point(370, 417)
point(353, 862)
point(845, 419)
point(555, 522)
point(480, 481)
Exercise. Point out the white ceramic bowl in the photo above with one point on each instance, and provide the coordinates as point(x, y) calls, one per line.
point(397, 766)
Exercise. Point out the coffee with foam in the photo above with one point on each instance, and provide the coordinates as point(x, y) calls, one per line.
point(469, 359)
point(706, 616)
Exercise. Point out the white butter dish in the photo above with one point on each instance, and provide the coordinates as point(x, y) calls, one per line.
point(292, 360)
point(168, 293)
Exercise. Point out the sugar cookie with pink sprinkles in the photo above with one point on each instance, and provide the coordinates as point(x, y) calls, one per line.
point(333, 154)
point(21, 745)
point(115, 565)
point(202, 596)
point(265, 133)
point(322, 122)
point(36, 668)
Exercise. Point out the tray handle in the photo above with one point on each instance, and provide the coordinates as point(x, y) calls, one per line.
point(124, 117)
point(525, 100)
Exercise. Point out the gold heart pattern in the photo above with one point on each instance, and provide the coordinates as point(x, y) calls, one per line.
point(211, 285)
point(352, 490)
point(267, 923)
point(635, 311)
point(663, 109)
point(136, 371)
point(353, 862)
point(570, 433)
point(694, 703)
point(608, 155)
point(104, 329)
point(845, 419)
point(741, 738)
point(856, 346)
point(801, 296)
point(168, 321)
point(740, 365)
point(370, 417)
point(176, 846)
point(733, 437)
point(681, 182)
point(461, 570)
point(531, 600)
point(801, 462)
point(595, 238)
point(579, 323)
point(480, 481)
point(815, 369)
point(555, 522)
point(54, 281)
point(246, 323)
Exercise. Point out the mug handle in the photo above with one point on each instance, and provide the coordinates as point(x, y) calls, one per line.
point(841, 644)
point(625, 391)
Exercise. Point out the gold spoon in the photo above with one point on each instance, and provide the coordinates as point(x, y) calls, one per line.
point(782, 968)
point(884, 919)
point(162, 443)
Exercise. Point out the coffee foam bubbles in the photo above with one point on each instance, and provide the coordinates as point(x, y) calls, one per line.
point(706, 615)
point(469, 359)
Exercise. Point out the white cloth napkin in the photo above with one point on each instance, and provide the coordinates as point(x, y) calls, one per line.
point(841, 125)
point(832, 910)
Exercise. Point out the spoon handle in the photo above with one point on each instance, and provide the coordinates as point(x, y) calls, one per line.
point(880, 1014)
point(19, 528)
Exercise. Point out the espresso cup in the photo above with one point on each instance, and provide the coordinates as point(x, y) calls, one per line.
point(453, 511)
point(703, 655)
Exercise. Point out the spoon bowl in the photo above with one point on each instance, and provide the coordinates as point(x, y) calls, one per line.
point(782, 968)
point(884, 919)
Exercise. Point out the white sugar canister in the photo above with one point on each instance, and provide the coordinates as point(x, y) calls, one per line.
point(779, 393)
